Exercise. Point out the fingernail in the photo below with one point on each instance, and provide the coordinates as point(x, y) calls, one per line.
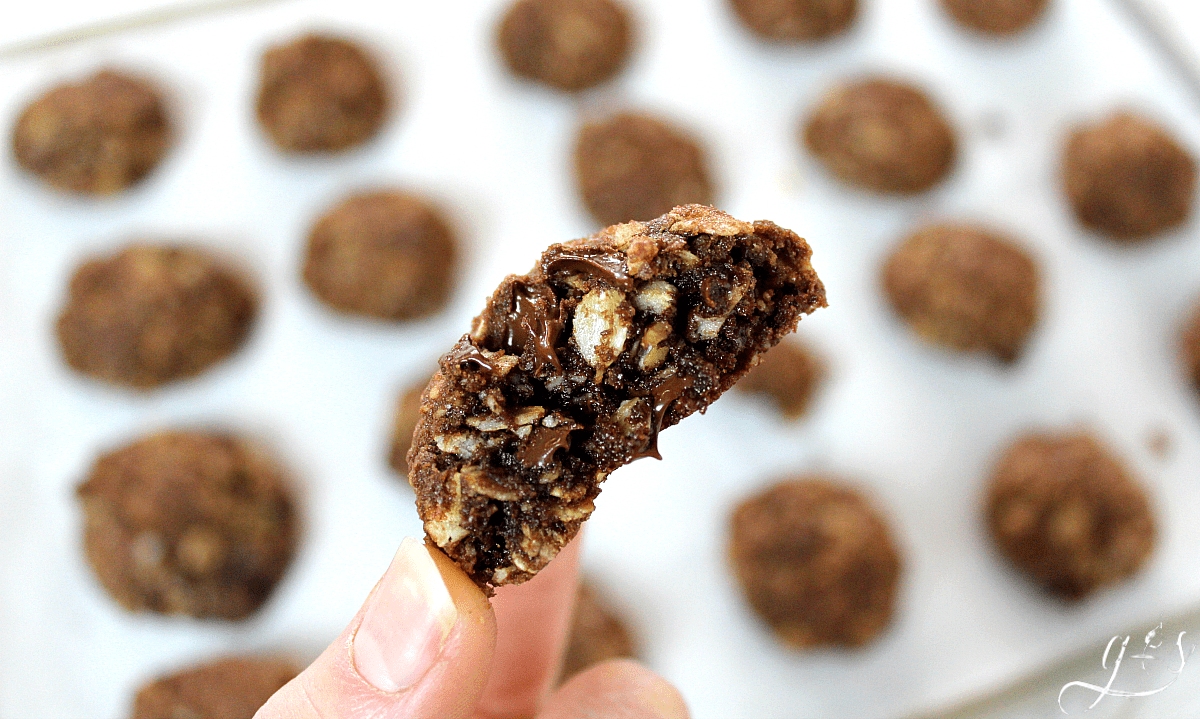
point(407, 621)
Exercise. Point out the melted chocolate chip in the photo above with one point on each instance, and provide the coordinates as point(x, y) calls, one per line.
point(468, 356)
point(669, 390)
point(608, 267)
point(539, 449)
point(534, 319)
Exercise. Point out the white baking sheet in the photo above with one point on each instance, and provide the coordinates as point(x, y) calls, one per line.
point(916, 427)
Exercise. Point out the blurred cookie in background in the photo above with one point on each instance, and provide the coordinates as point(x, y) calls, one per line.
point(385, 254)
point(966, 288)
point(188, 522)
point(228, 688)
point(320, 93)
point(788, 375)
point(150, 314)
point(598, 633)
point(408, 411)
point(633, 166)
point(796, 20)
point(1127, 177)
point(996, 17)
point(1189, 346)
point(816, 561)
point(881, 134)
point(97, 136)
point(1067, 513)
point(566, 44)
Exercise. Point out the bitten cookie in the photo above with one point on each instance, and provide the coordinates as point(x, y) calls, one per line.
point(995, 17)
point(1126, 177)
point(566, 44)
point(796, 20)
point(1068, 514)
point(881, 134)
point(816, 562)
point(320, 94)
point(390, 255)
point(152, 314)
point(96, 137)
point(573, 369)
point(408, 411)
point(188, 522)
point(965, 288)
point(230, 688)
point(598, 633)
point(636, 167)
point(788, 375)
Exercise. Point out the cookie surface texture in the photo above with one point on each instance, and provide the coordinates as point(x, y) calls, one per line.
point(573, 369)
point(566, 44)
point(230, 688)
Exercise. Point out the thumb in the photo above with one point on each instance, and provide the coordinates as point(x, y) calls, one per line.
point(419, 648)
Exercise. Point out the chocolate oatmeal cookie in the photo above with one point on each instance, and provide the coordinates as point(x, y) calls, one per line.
point(408, 411)
point(230, 688)
point(816, 562)
point(1126, 177)
point(788, 375)
point(573, 369)
point(188, 522)
point(95, 137)
point(566, 44)
point(995, 17)
point(1067, 513)
point(152, 314)
point(796, 20)
point(320, 93)
point(965, 288)
point(598, 633)
point(636, 167)
point(390, 255)
point(881, 134)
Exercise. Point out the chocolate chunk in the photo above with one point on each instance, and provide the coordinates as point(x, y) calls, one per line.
point(882, 135)
point(188, 522)
point(996, 17)
point(816, 562)
point(96, 137)
point(320, 93)
point(635, 167)
point(1126, 177)
point(598, 633)
point(796, 20)
point(229, 688)
point(965, 288)
point(152, 314)
point(1067, 513)
point(386, 254)
point(789, 375)
point(566, 44)
point(573, 369)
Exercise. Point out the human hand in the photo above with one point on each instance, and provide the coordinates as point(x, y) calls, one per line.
point(428, 645)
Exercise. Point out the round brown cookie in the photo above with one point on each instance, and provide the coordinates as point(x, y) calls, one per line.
point(574, 368)
point(966, 288)
point(230, 688)
point(566, 44)
point(320, 94)
point(97, 136)
point(386, 254)
point(816, 561)
point(1065, 510)
point(789, 375)
point(408, 411)
point(151, 314)
point(636, 167)
point(188, 522)
point(881, 134)
point(995, 17)
point(598, 633)
point(796, 20)
point(1126, 177)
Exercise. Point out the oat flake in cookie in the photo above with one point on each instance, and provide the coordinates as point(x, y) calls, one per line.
point(573, 369)
point(996, 17)
point(94, 137)
point(188, 522)
point(229, 688)
point(816, 562)
point(796, 20)
point(320, 94)
point(566, 44)
point(1067, 513)
point(152, 314)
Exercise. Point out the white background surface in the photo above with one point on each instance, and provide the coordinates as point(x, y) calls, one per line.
point(914, 426)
